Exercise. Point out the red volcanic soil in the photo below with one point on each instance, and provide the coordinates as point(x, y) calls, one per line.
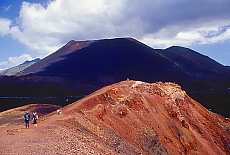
point(130, 117)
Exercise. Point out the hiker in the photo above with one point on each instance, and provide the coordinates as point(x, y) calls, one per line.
point(27, 119)
point(59, 111)
point(35, 118)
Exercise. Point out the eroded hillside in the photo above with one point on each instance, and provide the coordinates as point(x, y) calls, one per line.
point(155, 118)
point(132, 117)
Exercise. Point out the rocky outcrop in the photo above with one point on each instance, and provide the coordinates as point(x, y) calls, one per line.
point(157, 118)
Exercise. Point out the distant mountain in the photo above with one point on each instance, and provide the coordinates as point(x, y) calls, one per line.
point(124, 57)
point(81, 67)
point(19, 68)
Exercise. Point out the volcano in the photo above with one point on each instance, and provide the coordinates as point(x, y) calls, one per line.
point(129, 117)
point(82, 67)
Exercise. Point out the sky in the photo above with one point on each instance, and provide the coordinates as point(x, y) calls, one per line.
point(36, 28)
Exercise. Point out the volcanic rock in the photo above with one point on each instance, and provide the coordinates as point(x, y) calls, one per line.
point(157, 118)
point(129, 117)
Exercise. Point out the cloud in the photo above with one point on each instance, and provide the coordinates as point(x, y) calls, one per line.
point(13, 61)
point(2, 64)
point(4, 26)
point(46, 27)
point(19, 59)
point(200, 35)
point(5, 8)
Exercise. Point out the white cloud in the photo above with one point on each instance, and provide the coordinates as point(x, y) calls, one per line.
point(19, 59)
point(46, 27)
point(221, 37)
point(4, 26)
point(196, 35)
point(7, 8)
point(14, 61)
point(2, 63)
point(189, 36)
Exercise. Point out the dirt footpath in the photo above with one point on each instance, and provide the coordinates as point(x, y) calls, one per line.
point(49, 138)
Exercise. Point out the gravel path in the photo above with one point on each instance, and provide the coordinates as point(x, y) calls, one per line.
point(49, 139)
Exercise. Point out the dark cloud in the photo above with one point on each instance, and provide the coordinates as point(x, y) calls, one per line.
point(160, 13)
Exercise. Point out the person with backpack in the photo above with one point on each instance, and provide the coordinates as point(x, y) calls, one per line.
point(27, 119)
point(35, 118)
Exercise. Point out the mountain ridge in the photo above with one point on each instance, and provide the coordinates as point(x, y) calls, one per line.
point(202, 61)
point(19, 68)
point(180, 51)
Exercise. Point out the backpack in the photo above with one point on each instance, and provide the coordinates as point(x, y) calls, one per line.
point(36, 117)
point(27, 117)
